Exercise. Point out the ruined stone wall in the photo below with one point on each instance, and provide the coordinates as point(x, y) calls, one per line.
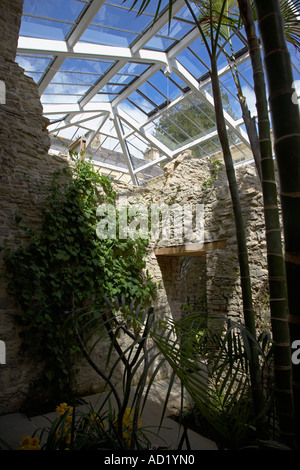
point(213, 273)
point(25, 175)
point(26, 171)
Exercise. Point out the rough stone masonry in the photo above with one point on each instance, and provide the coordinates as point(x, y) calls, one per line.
point(183, 281)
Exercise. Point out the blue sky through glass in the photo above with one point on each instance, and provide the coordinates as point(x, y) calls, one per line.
point(140, 87)
point(49, 19)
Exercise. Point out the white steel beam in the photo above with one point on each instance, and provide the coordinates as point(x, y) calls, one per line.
point(83, 50)
point(152, 140)
point(178, 151)
point(94, 133)
point(124, 147)
point(85, 20)
point(50, 74)
point(109, 166)
point(69, 122)
point(160, 23)
point(79, 29)
point(76, 108)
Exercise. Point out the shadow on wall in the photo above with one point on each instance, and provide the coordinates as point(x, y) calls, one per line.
point(221, 275)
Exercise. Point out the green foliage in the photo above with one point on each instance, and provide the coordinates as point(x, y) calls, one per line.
point(117, 423)
point(216, 167)
point(83, 427)
point(67, 267)
point(217, 378)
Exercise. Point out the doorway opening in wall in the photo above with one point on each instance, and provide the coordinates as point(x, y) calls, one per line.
point(193, 293)
point(186, 283)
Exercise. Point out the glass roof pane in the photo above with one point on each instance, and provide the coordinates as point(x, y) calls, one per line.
point(177, 29)
point(190, 61)
point(151, 92)
point(68, 10)
point(34, 66)
point(141, 102)
point(174, 124)
point(46, 29)
point(183, 123)
point(150, 9)
point(108, 37)
point(51, 19)
point(165, 85)
point(116, 26)
point(133, 68)
point(121, 18)
point(200, 52)
point(132, 111)
point(130, 72)
point(163, 136)
point(98, 67)
point(169, 35)
point(122, 79)
point(103, 98)
point(112, 88)
point(177, 81)
point(60, 99)
point(159, 43)
point(93, 124)
point(73, 78)
point(185, 14)
point(60, 89)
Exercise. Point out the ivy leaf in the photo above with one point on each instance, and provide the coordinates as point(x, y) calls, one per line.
point(62, 255)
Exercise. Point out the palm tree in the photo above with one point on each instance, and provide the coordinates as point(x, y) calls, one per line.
point(212, 26)
point(276, 267)
point(213, 23)
point(286, 131)
point(273, 233)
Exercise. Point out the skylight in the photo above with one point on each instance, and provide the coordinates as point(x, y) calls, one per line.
point(138, 92)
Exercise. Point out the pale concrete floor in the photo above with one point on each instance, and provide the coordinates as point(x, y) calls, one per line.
point(15, 425)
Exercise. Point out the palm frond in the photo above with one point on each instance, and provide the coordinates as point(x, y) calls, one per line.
point(291, 19)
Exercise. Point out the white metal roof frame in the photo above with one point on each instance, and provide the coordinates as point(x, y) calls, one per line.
point(74, 113)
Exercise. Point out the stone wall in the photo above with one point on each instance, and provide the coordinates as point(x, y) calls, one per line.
point(210, 274)
point(25, 175)
point(26, 171)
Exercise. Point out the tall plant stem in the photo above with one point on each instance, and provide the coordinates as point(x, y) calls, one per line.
point(248, 309)
point(276, 267)
point(286, 131)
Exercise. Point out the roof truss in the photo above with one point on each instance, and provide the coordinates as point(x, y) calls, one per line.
point(139, 53)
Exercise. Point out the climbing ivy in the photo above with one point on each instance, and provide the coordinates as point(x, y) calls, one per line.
point(66, 267)
point(216, 167)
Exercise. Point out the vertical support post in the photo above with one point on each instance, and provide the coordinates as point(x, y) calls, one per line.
point(123, 144)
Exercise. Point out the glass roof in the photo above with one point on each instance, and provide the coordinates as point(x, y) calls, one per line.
point(138, 93)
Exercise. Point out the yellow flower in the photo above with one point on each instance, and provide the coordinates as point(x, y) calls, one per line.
point(25, 441)
point(127, 438)
point(94, 417)
point(64, 408)
point(128, 424)
point(128, 419)
point(29, 443)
